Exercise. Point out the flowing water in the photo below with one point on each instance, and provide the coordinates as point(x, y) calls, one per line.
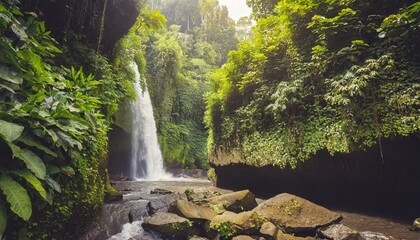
point(113, 223)
point(146, 157)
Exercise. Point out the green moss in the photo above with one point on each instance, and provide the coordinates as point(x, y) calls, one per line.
point(111, 194)
point(225, 229)
point(212, 176)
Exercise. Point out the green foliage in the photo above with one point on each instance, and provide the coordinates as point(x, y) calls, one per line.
point(317, 75)
point(52, 130)
point(17, 197)
point(212, 176)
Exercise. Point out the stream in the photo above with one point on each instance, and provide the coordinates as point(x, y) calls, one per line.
point(113, 224)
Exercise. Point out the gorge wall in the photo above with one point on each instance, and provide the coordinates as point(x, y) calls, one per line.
point(84, 17)
point(359, 180)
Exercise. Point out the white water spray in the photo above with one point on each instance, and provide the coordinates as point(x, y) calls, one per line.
point(146, 157)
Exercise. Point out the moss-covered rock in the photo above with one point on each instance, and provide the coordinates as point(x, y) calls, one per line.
point(168, 224)
point(294, 214)
point(191, 210)
point(230, 224)
point(111, 194)
point(235, 202)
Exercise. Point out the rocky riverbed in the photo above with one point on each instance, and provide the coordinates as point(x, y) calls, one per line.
point(206, 214)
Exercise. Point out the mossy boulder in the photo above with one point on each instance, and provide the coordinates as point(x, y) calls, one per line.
point(168, 224)
point(191, 210)
point(111, 194)
point(293, 214)
point(235, 202)
point(231, 224)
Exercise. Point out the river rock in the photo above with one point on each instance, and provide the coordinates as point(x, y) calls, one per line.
point(269, 230)
point(294, 214)
point(137, 214)
point(338, 232)
point(284, 236)
point(200, 197)
point(416, 225)
point(232, 224)
point(191, 210)
point(160, 191)
point(235, 202)
point(243, 237)
point(197, 238)
point(168, 224)
point(373, 236)
point(162, 204)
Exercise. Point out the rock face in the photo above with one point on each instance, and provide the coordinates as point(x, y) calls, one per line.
point(84, 17)
point(168, 224)
point(340, 178)
point(191, 210)
point(294, 214)
point(236, 201)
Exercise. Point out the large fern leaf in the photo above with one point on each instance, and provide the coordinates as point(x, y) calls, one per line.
point(32, 161)
point(31, 179)
point(10, 131)
point(33, 143)
point(3, 219)
point(17, 196)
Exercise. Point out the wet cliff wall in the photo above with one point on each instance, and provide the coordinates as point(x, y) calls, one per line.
point(85, 17)
point(360, 180)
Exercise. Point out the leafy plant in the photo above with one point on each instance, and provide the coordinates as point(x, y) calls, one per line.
point(317, 75)
point(45, 113)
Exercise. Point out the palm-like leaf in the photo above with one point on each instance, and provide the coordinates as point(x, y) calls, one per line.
point(31, 179)
point(32, 161)
point(10, 131)
point(17, 196)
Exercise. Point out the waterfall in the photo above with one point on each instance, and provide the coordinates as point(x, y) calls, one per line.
point(146, 157)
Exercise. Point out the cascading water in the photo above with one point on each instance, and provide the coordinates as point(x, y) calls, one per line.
point(146, 157)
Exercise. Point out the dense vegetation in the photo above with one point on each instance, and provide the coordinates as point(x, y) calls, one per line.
point(54, 120)
point(196, 42)
point(318, 75)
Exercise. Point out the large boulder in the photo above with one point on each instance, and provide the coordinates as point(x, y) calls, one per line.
point(338, 232)
point(235, 202)
point(231, 224)
point(293, 214)
point(162, 204)
point(168, 224)
point(191, 210)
